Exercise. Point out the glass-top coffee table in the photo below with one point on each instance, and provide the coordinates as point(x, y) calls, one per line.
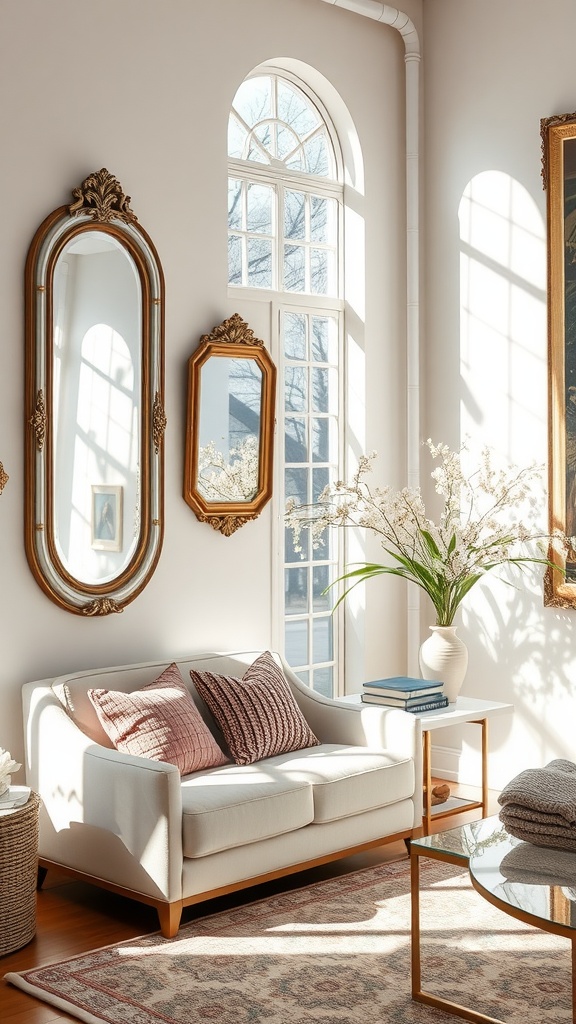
point(532, 884)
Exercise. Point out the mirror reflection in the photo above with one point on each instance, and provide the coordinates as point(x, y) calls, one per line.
point(96, 409)
point(230, 430)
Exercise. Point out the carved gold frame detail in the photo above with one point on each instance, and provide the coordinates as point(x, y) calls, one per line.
point(100, 197)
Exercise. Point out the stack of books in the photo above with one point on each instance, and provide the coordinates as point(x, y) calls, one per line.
point(406, 693)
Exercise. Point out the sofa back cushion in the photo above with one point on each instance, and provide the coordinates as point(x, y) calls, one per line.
point(257, 714)
point(72, 689)
point(160, 721)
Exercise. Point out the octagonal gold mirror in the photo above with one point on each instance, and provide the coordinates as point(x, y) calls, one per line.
point(230, 427)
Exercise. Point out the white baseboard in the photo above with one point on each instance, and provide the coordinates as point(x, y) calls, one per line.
point(461, 765)
point(446, 763)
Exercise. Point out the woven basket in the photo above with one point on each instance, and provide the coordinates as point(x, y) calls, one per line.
point(18, 875)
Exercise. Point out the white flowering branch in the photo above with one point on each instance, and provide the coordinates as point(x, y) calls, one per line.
point(482, 525)
point(229, 478)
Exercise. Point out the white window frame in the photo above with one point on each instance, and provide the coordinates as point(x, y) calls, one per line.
point(306, 303)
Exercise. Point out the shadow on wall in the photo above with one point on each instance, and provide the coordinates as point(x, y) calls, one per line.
point(503, 329)
point(520, 652)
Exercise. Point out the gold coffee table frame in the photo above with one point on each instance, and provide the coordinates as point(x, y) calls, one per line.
point(451, 848)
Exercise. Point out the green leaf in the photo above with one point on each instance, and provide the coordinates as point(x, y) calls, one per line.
point(431, 543)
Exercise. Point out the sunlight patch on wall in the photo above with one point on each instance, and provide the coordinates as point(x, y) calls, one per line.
point(503, 317)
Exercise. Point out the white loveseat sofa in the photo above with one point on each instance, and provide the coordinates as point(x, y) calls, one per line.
point(135, 826)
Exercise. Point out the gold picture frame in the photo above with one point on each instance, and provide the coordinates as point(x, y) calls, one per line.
point(107, 513)
point(558, 135)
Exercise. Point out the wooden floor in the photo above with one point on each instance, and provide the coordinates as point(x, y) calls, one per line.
point(73, 917)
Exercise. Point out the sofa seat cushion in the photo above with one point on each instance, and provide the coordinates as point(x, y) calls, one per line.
point(348, 780)
point(241, 804)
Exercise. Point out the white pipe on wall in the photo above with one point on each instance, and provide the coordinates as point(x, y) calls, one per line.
point(401, 22)
point(387, 15)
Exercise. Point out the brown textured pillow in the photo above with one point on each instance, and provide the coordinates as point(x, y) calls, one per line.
point(257, 714)
point(160, 721)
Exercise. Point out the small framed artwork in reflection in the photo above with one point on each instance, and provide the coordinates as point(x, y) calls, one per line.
point(106, 517)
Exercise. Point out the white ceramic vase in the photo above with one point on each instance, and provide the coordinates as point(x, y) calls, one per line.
point(444, 656)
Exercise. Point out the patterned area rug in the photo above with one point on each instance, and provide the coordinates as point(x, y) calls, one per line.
point(337, 952)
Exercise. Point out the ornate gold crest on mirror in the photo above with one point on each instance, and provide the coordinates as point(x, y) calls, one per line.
point(4, 478)
point(230, 427)
point(558, 135)
point(94, 402)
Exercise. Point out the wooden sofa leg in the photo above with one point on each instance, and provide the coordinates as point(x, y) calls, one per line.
point(169, 915)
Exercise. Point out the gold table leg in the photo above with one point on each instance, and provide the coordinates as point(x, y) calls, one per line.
point(415, 923)
point(427, 762)
point(573, 944)
point(418, 995)
point(484, 724)
point(468, 805)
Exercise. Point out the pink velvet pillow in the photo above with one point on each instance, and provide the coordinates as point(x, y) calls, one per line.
point(257, 714)
point(160, 721)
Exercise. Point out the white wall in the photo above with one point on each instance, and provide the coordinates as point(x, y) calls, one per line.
point(491, 71)
point(148, 98)
point(143, 88)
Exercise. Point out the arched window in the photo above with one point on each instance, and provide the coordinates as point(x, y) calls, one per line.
point(284, 245)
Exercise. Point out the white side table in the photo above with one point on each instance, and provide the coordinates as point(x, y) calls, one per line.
point(18, 874)
point(466, 711)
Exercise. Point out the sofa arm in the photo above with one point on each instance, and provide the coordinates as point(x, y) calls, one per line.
point(334, 721)
point(361, 725)
point(105, 813)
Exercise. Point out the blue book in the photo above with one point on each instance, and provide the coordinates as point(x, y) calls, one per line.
point(435, 705)
point(432, 704)
point(403, 702)
point(404, 686)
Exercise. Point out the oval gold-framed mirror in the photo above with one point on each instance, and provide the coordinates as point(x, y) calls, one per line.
point(94, 402)
point(230, 427)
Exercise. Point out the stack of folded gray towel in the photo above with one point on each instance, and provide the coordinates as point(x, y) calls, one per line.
point(539, 805)
point(531, 865)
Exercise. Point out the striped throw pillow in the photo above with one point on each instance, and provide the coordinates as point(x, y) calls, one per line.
point(257, 714)
point(160, 721)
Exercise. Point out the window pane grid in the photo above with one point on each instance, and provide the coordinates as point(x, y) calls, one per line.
point(273, 121)
point(309, 246)
point(282, 238)
point(252, 230)
point(305, 586)
point(311, 386)
point(310, 638)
